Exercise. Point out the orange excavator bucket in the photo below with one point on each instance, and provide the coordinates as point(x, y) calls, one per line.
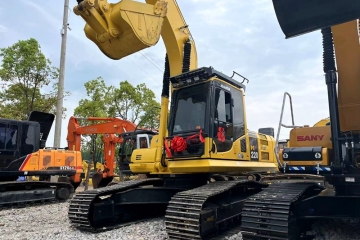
point(298, 17)
point(122, 28)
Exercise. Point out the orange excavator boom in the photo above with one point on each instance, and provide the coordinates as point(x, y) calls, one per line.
point(113, 125)
point(109, 127)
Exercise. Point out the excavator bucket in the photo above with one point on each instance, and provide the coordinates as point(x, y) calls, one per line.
point(122, 28)
point(99, 181)
point(298, 17)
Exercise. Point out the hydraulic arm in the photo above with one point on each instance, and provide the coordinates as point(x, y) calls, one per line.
point(127, 27)
point(108, 127)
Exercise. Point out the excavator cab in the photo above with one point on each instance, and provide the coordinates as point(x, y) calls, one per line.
point(208, 122)
point(20, 138)
point(17, 139)
point(202, 106)
point(131, 141)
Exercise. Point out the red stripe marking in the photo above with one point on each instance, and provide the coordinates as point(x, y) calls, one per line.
point(25, 161)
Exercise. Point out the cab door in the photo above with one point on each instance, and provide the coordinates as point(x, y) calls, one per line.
point(222, 129)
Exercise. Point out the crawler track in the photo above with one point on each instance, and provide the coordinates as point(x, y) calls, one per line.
point(193, 215)
point(267, 215)
point(80, 205)
point(20, 194)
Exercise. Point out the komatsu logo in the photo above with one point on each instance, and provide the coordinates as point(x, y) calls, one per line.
point(310, 138)
point(225, 87)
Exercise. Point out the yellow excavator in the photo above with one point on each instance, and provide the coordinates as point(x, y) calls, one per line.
point(331, 145)
point(204, 162)
point(205, 170)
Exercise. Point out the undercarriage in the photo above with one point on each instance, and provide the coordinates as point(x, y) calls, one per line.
point(277, 206)
point(30, 192)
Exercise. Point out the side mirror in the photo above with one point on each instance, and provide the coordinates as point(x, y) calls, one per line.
point(267, 131)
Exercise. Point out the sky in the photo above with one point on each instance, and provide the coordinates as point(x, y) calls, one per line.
point(242, 36)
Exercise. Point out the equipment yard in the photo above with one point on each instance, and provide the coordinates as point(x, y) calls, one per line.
point(189, 166)
point(50, 221)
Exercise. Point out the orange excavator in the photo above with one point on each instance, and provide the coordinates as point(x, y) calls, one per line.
point(128, 134)
point(23, 153)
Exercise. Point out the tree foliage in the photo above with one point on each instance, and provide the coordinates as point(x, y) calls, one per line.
point(93, 106)
point(134, 103)
point(25, 74)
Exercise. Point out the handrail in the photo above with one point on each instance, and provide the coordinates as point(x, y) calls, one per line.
point(283, 125)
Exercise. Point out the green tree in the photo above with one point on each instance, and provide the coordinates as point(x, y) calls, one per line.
point(136, 104)
point(95, 105)
point(25, 75)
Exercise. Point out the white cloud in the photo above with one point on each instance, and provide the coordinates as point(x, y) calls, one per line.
point(3, 29)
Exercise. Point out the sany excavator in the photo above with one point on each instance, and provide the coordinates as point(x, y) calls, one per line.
point(331, 148)
point(108, 126)
point(23, 153)
point(200, 167)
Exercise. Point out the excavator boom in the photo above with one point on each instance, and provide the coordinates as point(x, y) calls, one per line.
point(127, 27)
point(111, 125)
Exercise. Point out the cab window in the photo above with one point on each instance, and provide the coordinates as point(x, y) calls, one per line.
point(223, 113)
point(8, 136)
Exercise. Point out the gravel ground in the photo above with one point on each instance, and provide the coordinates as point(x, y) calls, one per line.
point(50, 222)
point(337, 229)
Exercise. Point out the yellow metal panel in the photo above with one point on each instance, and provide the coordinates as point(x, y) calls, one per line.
point(143, 155)
point(143, 168)
point(210, 165)
point(310, 136)
point(347, 52)
point(322, 122)
point(205, 166)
